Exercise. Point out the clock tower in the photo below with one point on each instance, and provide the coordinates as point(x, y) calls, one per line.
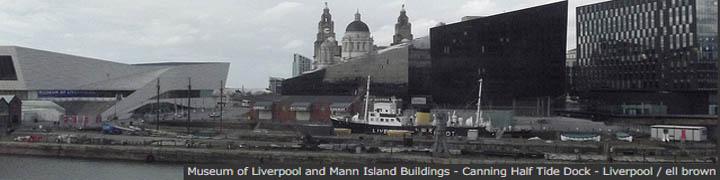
point(326, 29)
point(402, 28)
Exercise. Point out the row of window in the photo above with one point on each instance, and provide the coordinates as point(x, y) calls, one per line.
point(385, 120)
point(676, 15)
point(675, 41)
point(356, 46)
point(637, 84)
point(623, 7)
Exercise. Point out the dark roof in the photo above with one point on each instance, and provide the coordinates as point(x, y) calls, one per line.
point(300, 104)
point(7, 98)
point(340, 105)
point(263, 103)
point(357, 26)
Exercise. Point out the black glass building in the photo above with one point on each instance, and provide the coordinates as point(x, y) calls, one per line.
point(519, 55)
point(640, 57)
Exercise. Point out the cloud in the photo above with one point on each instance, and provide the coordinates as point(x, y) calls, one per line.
point(477, 8)
point(281, 10)
point(383, 35)
point(294, 44)
point(421, 27)
point(256, 37)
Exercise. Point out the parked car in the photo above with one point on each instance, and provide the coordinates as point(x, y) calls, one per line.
point(28, 138)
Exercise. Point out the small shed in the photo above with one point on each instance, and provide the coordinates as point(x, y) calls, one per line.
point(10, 113)
point(678, 133)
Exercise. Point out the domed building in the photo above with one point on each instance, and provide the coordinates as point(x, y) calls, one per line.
point(357, 40)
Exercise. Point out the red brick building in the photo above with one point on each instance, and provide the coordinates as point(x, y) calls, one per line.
point(301, 108)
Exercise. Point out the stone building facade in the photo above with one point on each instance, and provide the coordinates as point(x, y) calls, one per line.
point(403, 28)
point(357, 40)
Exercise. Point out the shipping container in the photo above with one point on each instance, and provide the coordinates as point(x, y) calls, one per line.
point(678, 133)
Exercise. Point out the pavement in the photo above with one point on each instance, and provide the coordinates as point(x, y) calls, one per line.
point(568, 124)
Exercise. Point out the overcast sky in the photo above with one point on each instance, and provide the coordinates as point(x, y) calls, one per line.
point(258, 37)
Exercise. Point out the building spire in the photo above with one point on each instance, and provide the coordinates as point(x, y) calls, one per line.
point(403, 7)
point(357, 15)
point(326, 6)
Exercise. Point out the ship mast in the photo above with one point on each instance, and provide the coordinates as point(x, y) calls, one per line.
point(367, 98)
point(478, 113)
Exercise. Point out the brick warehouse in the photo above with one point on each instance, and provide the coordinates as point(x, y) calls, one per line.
point(302, 108)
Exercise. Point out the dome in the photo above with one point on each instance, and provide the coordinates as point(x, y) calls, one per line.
point(357, 26)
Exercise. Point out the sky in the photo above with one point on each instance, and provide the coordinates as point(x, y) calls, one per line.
point(257, 37)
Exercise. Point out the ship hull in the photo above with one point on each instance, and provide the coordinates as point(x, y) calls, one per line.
point(419, 130)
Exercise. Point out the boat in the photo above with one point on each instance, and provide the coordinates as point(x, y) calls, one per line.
point(580, 137)
point(386, 116)
point(623, 136)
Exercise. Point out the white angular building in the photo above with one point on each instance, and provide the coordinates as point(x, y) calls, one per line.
point(105, 89)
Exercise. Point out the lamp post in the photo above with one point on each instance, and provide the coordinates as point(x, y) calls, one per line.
point(188, 105)
point(157, 104)
point(222, 86)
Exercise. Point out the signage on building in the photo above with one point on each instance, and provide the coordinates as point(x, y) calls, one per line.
point(385, 99)
point(298, 108)
point(418, 100)
point(260, 108)
point(66, 93)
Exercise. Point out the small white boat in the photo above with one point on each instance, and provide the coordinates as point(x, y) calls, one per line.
point(579, 137)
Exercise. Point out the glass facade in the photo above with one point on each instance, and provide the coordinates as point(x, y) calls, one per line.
point(7, 69)
point(519, 55)
point(301, 64)
point(654, 46)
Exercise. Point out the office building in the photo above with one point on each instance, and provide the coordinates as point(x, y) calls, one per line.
point(647, 57)
point(519, 55)
point(301, 64)
point(275, 85)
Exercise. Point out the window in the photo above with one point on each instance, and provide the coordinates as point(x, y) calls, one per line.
point(7, 68)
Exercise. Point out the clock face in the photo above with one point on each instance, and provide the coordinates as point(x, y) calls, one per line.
point(327, 30)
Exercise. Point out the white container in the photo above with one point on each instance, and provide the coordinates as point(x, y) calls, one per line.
point(678, 133)
point(472, 134)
